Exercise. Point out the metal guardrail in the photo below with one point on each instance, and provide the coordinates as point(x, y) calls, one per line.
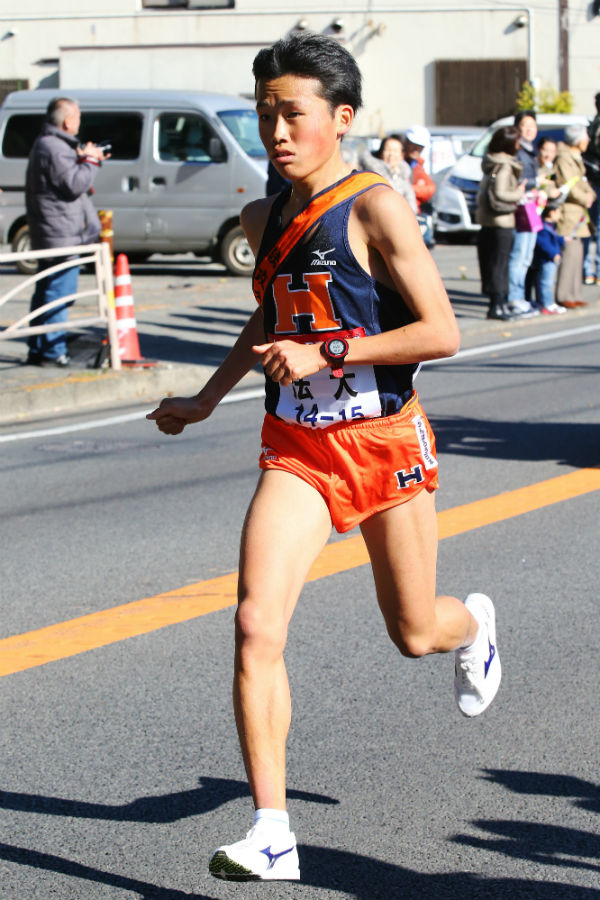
point(97, 255)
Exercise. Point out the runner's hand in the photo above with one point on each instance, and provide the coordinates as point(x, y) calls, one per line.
point(174, 413)
point(287, 361)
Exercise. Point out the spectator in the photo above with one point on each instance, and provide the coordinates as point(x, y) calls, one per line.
point(546, 154)
point(574, 219)
point(415, 140)
point(524, 241)
point(591, 265)
point(499, 192)
point(547, 254)
point(389, 162)
point(59, 214)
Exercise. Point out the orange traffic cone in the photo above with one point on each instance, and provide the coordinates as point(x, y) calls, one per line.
point(129, 345)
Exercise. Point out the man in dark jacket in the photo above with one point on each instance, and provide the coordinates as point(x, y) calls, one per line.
point(59, 214)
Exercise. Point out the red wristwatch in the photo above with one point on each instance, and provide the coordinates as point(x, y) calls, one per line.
point(335, 351)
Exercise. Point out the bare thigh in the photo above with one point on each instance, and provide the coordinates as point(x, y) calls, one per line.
point(402, 544)
point(286, 526)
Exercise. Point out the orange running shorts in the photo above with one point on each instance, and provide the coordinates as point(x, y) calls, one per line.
point(359, 467)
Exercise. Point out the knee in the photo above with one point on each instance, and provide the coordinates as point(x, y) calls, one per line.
point(411, 643)
point(258, 633)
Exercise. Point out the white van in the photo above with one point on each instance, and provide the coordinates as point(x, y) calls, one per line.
point(455, 200)
point(183, 165)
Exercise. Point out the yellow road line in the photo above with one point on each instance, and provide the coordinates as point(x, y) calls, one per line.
point(35, 648)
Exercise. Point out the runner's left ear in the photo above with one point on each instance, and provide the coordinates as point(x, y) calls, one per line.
point(344, 117)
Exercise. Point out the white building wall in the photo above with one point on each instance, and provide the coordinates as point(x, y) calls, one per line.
point(116, 43)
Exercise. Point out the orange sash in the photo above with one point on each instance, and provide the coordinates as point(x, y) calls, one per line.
point(300, 224)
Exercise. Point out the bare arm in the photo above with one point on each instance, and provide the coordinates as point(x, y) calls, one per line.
point(174, 413)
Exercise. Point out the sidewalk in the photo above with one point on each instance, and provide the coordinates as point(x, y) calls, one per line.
point(187, 327)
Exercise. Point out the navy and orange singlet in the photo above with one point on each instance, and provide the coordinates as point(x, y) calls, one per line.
point(319, 289)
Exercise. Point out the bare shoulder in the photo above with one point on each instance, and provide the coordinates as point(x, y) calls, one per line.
point(380, 206)
point(253, 219)
point(381, 217)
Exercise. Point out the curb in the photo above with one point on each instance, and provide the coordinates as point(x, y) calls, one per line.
point(83, 390)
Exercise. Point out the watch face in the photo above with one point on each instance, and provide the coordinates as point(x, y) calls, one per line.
point(337, 347)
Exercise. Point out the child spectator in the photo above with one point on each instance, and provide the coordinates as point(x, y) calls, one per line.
point(547, 253)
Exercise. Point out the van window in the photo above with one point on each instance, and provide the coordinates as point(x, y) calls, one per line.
point(123, 130)
point(20, 133)
point(243, 125)
point(183, 137)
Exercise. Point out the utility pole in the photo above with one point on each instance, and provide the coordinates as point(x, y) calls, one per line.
point(563, 45)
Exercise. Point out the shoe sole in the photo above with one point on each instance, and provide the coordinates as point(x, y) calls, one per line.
point(484, 600)
point(227, 869)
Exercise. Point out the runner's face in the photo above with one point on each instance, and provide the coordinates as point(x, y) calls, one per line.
point(297, 127)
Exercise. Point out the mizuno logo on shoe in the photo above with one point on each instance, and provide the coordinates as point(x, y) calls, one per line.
point(487, 664)
point(273, 857)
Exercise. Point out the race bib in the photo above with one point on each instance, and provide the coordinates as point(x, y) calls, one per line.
point(322, 399)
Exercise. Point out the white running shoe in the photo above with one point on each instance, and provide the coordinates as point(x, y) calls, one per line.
point(261, 856)
point(477, 673)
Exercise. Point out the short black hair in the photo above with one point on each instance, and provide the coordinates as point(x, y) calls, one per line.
point(313, 56)
point(525, 114)
point(504, 140)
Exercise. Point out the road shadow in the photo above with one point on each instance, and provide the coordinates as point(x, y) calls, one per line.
point(354, 875)
point(538, 842)
point(468, 304)
point(541, 844)
point(179, 350)
point(365, 878)
point(49, 862)
point(162, 809)
point(548, 784)
point(569, 444)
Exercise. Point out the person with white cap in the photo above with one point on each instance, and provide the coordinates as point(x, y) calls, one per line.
point(416, 138)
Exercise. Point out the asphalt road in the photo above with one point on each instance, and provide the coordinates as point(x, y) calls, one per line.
point(120, 766)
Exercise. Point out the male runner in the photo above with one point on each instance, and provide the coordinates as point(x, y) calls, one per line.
point(350, 302)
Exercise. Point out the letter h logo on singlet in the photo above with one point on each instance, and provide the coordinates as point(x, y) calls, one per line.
point(308, 306)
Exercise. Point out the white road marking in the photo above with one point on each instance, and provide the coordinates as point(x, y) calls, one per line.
point(258, 393)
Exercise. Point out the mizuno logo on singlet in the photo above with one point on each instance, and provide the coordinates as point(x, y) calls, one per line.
point(321, 261)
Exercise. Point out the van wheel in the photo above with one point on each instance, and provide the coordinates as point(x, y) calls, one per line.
point(22, 242)
point(236, 254)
